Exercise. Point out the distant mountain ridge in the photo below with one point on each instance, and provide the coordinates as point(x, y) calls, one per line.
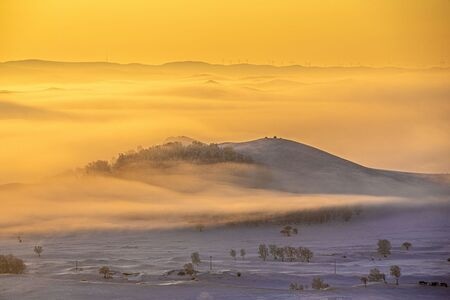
point(198, 65)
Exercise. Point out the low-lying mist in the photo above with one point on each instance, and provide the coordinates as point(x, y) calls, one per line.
point(184, 196)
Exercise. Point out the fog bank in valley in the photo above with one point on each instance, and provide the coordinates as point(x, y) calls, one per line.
point(95, 202)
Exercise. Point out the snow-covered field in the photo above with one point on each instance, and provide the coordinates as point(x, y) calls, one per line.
point(348, 246)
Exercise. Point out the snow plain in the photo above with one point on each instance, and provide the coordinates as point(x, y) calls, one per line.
point(150, 255)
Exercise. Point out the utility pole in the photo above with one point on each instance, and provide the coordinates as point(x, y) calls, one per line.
point(210, 263)
point(335, 266)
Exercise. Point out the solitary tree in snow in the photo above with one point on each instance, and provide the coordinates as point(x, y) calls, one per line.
point(396, 272)
point(195, 257)
point(384, 247)
point(286, 230)
point(243, 253)
point(263, 251)
point(364, 280)
point(406, 245)
point(233, 253)
point(38, 250)
point(105, 271)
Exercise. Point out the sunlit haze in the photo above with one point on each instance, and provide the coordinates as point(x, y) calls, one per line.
point(412, 33)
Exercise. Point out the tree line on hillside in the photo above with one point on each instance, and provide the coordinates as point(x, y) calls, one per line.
point(157, 156)
point(306, 217)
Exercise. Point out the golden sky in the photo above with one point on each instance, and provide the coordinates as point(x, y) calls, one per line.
point(329, 32)
point(67, 115)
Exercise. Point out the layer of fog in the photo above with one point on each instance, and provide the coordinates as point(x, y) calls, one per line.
point(176, 197)
point(53, 118)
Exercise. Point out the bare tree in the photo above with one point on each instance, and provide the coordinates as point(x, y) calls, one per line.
point(294, 230)
point(281, 253)
point(298, 254)
point(364, 280)
point(105, 271)
point(296, 286)
point(306, 254)
point(243, 253)
point(384, 247)
point(406, 245)
point(38, 250)
point(290, 252)
point(263, 251)
point(195, 257)
point(273, 251)
point(233, 253)
point(396, 272)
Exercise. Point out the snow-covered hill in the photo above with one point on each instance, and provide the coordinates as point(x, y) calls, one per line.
point(301, 168)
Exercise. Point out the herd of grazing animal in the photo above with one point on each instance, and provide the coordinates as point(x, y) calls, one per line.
point(433, 283)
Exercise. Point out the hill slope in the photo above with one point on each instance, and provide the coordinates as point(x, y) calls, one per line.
point(304, 169)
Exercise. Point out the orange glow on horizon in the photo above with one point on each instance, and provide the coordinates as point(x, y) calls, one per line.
point(410, 33)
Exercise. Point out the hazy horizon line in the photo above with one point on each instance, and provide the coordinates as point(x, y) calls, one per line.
point(205, 63)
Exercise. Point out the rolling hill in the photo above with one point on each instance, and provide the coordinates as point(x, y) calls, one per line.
point(300, 168)
point(269, 164)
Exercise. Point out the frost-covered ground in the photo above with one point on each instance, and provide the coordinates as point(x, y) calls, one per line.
point(153, 253)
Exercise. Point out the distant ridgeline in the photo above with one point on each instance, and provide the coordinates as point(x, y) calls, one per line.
point(163, 155)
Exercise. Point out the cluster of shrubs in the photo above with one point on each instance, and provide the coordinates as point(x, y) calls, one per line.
point(287, 253)
point(157, 156)
point(317, 284)
point(384, 247)
point(189, 268)
point(233, 253)
point(9, 264)
point(106, 272)
point(375, 275)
